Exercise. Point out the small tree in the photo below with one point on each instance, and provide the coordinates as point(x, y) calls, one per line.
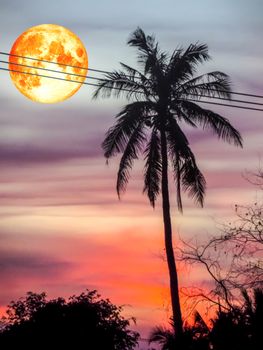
point(232, 259)
point(83, 322)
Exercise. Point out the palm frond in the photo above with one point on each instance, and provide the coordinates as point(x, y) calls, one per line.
point(177, 143)
point(118, 83)
point(141, 41)
point(128, 119)
point(162, 336)
point(177, 171)
point(184, 165)
point(182, 65)
point(214, 121)
point(197, 53)
point(212, 84)
point(180, 115)
point(178, 69)
point(152, 60)
point(130, 153)
point(200, 322)
point(193, 180)
point(136, 75)
point(153, 167)
point(248, 303)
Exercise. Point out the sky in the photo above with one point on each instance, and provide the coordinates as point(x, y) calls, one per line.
point(62, 227)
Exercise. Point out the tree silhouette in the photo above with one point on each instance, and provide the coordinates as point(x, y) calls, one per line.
point(151, 123)
point(241, 327)
point(232, 258)
point(82, 322)
point(194, 337)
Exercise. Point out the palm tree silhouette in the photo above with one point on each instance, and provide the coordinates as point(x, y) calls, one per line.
point(159, 101)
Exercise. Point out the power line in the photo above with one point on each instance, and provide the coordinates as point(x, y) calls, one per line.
point(241, 94)
point(107, 72)
point(51, 70)
point(100, 79)
point(52, 62)
point(47, 76)
point(128, 90)
point(57, 78)
point(227, 99)
point(226, 105)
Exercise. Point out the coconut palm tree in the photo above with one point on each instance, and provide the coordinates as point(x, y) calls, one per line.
point(160, 99)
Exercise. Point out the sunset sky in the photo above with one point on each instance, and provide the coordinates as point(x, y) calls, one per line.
point(62, 227)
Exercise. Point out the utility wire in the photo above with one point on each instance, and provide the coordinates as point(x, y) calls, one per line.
point(52, 70)
point(46, 76)
point(57, 78)
point(226, 105)
point(128, 90)
point(52, 62)
point(226, 99)
point(100, 79)
point(107, 72)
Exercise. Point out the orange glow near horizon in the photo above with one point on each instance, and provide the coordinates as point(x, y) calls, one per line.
point(48, 42)
point(64, 230)
point(126, 266)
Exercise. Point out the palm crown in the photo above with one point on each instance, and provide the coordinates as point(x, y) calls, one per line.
point(161, 96)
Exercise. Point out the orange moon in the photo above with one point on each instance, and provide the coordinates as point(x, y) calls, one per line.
point(48, 42)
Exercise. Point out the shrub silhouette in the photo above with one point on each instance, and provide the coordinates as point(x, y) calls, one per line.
point(83, 322)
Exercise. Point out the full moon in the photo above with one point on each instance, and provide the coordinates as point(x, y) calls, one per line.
point(43, 43)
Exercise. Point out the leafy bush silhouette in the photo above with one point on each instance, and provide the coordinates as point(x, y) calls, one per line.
point(83, 322)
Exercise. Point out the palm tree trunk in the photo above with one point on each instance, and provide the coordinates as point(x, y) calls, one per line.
point(174, 289)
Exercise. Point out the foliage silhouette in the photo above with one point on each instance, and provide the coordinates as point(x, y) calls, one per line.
point(232, 258)
point(239, 328)
point(195, 337)
point(151, 124)
point(83, 322)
